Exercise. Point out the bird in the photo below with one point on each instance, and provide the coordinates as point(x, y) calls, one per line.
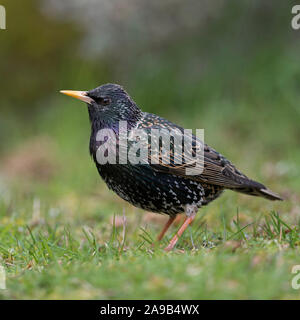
point(160, 187)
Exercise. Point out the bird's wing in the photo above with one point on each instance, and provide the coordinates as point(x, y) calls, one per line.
point(216, 168)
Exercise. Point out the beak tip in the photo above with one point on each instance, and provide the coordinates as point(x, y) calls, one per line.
point(80, 95)
point(67, 92)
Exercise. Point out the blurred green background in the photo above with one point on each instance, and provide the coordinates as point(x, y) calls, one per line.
point(230, 67)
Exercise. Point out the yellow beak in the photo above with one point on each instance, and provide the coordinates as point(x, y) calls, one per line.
point(81, 95)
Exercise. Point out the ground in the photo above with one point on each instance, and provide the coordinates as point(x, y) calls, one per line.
point(77, 253)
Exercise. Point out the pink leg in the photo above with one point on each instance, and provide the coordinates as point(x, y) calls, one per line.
point(191, 213)
point(166, 227)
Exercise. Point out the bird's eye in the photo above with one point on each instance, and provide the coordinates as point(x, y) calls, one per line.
point(105, 101)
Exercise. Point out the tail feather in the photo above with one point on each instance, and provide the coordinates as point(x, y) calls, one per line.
point(269, 194)
point(254, 188)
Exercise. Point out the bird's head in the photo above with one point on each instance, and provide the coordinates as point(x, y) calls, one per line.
point(107, 105)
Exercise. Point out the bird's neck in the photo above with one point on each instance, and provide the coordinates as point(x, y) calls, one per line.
point(98, 124)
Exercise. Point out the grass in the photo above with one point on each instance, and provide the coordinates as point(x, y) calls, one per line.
point(47, 255)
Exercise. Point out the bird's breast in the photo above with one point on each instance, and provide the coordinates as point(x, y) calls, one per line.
point(149, 190)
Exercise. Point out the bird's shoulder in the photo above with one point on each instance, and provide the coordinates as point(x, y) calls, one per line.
point(153, 121)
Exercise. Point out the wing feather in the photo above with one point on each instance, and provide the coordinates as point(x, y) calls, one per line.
point(217, 169)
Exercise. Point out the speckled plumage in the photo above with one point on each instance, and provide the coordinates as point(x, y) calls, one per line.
point(162, 188)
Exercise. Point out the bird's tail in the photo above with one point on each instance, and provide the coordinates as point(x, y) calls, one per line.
point(269, 194)
point(254, 188)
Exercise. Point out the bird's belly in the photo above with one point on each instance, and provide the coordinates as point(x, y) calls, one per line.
point(152, 191)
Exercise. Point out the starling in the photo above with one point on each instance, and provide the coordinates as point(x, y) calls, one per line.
point(159, 187)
